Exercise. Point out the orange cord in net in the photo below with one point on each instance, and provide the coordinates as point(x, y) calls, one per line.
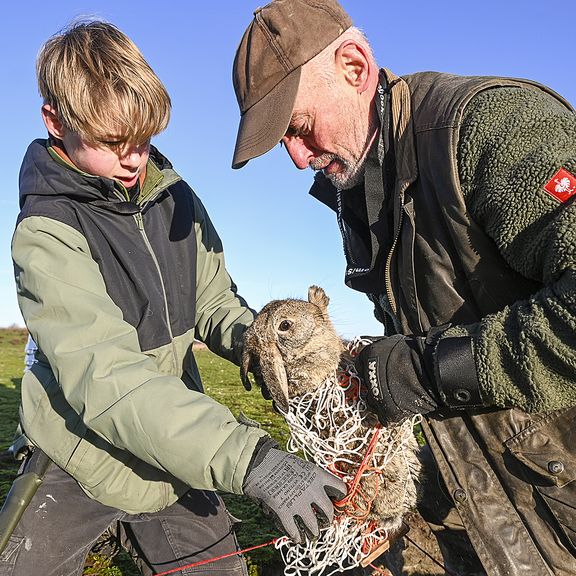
point(349, 504)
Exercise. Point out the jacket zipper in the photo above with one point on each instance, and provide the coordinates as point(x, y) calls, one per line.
point(140, 224)
point(387, 274)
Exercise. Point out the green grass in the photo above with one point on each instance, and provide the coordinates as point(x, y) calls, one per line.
point(12, 342)
point(222, 381)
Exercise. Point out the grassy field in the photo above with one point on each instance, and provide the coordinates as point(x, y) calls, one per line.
point(222, 382)
point(12, 344)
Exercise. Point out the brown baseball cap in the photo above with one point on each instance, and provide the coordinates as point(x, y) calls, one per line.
point(283, 36)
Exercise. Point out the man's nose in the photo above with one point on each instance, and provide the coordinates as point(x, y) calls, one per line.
point(298, 151)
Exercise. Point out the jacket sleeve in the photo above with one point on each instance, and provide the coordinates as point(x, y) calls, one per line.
point(221, 314)
point(112, 387)
point(512, 142)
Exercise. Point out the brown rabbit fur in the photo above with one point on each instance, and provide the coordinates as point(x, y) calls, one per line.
point(296, 348)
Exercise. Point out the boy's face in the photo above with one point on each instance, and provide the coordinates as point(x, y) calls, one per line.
point(118, 161)
point(123, 162)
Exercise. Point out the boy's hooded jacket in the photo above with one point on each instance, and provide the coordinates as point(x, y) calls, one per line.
point(456, 226)
point(114, 292)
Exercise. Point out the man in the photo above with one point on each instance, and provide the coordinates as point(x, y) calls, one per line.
point(455, 197)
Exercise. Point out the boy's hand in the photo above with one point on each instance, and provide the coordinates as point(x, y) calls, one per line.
point(254, 369)
point(294, 491)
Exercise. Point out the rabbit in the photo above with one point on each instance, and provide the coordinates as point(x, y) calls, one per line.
point(293, 347)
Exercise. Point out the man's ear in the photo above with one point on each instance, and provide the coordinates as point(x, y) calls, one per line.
point(353, 62)
point(52, 121)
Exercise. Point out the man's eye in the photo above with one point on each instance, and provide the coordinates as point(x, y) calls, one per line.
point(297, 131)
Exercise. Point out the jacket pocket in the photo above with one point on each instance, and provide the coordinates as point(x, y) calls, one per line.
point(119, 479)
point(106, 473)
point(547, 449)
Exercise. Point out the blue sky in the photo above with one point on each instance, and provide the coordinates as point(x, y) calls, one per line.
point(277, 239)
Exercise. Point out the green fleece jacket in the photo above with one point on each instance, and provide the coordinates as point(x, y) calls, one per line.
point(511, 140)
point(476, 240)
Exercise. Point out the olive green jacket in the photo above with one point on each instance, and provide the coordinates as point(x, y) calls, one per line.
point(114, 292)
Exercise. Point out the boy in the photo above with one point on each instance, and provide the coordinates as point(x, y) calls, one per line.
point(118, 269)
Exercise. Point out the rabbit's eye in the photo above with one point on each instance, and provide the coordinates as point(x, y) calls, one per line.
point(285, 325)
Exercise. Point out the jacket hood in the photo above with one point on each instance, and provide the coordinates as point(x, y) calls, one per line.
point(41, 175)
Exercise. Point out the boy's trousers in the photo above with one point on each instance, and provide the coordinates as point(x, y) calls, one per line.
point(62, 524)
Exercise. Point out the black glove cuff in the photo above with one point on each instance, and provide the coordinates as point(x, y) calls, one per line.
point(457, 380)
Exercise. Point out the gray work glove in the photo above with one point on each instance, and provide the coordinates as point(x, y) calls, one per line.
point(296, 492)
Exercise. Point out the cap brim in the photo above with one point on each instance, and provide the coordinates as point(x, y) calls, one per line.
point(264, 124)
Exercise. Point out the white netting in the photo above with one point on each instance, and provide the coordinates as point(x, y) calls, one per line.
point(330, 427)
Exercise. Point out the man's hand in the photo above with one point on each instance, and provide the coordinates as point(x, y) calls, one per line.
point(296, 492)
point(408, 375)
point(398, 380)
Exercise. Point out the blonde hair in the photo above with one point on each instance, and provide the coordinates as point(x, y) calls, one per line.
point(100, 85)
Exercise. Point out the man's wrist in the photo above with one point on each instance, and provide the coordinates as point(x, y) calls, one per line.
point(455, 373)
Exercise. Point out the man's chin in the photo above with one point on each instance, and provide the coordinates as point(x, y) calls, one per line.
point(344, 180)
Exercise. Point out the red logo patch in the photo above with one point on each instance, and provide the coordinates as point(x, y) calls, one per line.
point(562, 185)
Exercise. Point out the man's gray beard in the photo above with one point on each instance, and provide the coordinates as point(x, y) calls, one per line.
point(347, 180)
point(353, 176)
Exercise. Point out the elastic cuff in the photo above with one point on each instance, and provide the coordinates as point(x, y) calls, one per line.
point(457, 379)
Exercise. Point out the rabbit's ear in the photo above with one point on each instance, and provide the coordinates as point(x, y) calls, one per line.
point(245, 368)
point(274, 376)
point(317, 296)
point(268, 370)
